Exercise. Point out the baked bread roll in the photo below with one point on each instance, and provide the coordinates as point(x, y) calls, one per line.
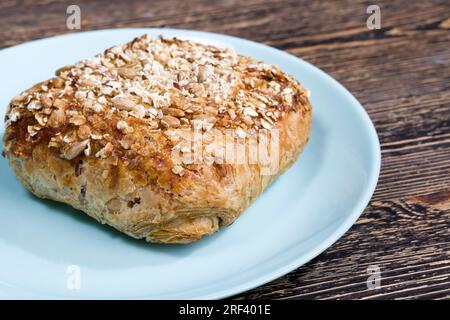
point(117, 136)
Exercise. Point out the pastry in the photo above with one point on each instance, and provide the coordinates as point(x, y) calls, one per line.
point(117, 136)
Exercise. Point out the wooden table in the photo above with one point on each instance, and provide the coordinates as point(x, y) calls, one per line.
point(400, 73)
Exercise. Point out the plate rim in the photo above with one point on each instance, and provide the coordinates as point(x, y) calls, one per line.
point(358, 207)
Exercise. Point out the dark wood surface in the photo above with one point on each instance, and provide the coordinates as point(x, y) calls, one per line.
point(401, 75)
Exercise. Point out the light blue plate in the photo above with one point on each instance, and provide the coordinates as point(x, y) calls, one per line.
point(304, 212)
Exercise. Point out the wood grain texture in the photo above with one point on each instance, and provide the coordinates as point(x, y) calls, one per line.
point(400, 73)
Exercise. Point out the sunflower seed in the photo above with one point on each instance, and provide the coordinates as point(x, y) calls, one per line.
point(74, 149)
point(123, 103)
point(128, 72)
point(174, 112)
point(170, 122)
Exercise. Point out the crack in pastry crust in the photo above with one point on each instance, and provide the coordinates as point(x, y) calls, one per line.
point(98, 136)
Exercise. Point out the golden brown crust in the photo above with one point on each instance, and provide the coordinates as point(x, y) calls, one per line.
point(101, 135)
